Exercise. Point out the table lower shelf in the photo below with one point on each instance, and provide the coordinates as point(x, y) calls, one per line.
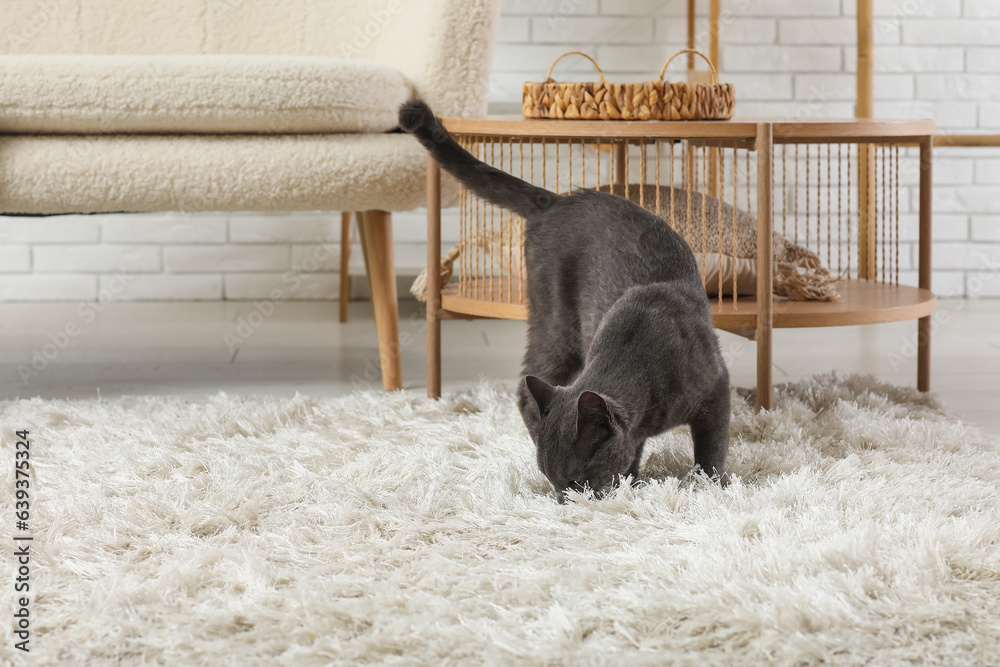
point(861, 302)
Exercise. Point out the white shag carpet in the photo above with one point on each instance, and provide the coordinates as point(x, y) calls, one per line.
point(864, 528)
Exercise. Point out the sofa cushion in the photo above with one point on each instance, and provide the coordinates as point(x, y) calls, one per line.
point(65, 94)
point(214, 172)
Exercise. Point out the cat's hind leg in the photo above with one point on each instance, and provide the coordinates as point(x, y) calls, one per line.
point(710, 432)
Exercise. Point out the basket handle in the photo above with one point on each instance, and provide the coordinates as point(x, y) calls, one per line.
point(600, 72)
point(715, 75)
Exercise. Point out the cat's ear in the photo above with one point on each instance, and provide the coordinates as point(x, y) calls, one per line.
point(594, 423)
point(593, 408)
point(541, 391)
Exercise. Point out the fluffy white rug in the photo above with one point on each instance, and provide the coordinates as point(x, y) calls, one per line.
point(864, 528)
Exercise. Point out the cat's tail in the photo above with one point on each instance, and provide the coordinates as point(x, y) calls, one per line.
point(493, 185)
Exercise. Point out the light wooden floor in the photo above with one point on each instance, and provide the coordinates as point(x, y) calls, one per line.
point(180, 348)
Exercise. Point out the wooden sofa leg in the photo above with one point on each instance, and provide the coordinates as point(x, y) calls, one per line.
point(345, 261)
point(380, 264)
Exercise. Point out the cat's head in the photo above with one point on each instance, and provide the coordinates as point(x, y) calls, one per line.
point(580, 436)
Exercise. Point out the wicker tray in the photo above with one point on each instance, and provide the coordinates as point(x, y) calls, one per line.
point(648, 100)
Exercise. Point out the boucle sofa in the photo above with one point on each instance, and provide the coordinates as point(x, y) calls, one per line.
point(235, 105)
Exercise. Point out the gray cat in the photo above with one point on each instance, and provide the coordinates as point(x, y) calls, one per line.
point(620, 339)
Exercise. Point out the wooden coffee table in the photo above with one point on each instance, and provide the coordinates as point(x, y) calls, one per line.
point(711, 157)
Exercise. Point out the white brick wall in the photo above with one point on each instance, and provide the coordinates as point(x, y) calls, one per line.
point(939, 59)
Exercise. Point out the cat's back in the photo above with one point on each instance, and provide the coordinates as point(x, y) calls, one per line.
point(678, 315)
point(607, 239)
point(662, 326)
